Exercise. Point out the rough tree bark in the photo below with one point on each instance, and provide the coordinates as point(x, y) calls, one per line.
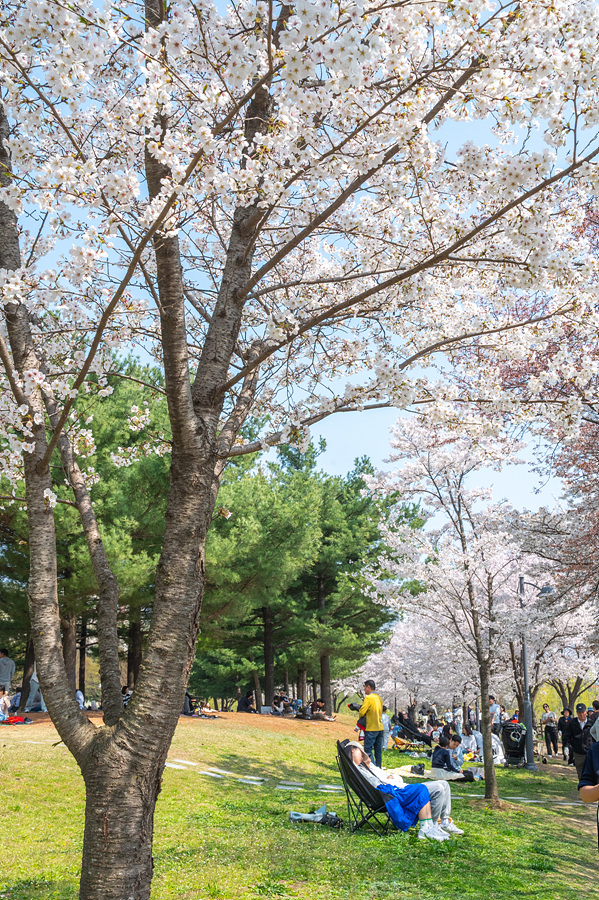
point(302, 685)
point(82, 653)
point(325, 659)
point(68, 624)
point(269, 656)
point(134, 652)
point(257, 690)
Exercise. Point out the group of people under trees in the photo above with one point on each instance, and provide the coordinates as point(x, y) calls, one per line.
point(282, 705)
point(430, 804)
point(578, 732)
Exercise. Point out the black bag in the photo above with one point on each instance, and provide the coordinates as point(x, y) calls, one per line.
point(332, 820)
point(362, 722)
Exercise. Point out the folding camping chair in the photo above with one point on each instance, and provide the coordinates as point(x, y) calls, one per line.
point(365, 804)
point(405, 746)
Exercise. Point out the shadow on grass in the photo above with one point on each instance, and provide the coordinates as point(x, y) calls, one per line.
point(242, 765)
point(39, 889)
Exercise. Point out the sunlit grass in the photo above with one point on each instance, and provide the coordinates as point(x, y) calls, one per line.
point(222, 839)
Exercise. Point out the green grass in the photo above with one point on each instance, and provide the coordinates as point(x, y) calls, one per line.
point(225, 840)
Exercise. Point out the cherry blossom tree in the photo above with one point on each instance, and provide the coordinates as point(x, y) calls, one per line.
point(420, 664)
point(263, 199)
point(466, 558)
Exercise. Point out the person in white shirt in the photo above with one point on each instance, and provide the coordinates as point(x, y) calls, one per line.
point(386, 727)
point(495, 710)
point(4, 704)
point(549, 720)
point(469, 742)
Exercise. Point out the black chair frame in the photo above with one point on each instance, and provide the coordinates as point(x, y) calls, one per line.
point(365, 804)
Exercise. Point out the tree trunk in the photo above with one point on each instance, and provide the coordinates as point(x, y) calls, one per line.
point(325, 660)
point(491, 792)
point(27, 673)
point(269, 657)
point(121, 797)
point(302, 685)
point(314, 690)
point(257, 690)
point(325, 683)
point(287, 688)
point(215, 703)
point(82, 653)
point(69, 648)
point(134, 652)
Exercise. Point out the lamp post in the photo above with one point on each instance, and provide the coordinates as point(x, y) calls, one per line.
point(530, 748)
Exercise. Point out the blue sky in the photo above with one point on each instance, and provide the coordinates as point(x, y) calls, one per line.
point(349, 435)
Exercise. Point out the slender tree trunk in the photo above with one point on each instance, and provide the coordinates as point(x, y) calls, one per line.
point(325, 660)
point(27, 673)
point(491, 792)
point(269, 657)
point(314, 690)
point(325, 683)
point(287, 688)
point(257, 690)
point(134, 652)
point(82, 653)
point(69, 648)
point(302, 685)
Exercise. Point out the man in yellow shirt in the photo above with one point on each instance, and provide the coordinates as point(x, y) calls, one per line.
point(372, 708)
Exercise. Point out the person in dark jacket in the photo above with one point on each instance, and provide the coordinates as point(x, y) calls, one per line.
point(588, 784)
point(246, 704)
point(579, 736)
point(562, 727)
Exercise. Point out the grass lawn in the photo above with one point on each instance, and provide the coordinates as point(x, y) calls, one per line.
point(219, 838)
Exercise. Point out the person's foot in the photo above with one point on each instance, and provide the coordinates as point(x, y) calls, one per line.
point(432, 832)
point(450, 827)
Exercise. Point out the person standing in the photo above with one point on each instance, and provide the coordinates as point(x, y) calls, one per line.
point(34, 687)
point(495, 710)
point(562, 727)
point(372, 708)
point(7, 670)
point(386, 727)
point(579, 736)
point(549, 720)
point(594, 715)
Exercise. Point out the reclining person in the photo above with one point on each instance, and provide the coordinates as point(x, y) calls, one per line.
point(439, 794)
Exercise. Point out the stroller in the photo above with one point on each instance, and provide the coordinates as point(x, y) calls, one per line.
point(513, 738)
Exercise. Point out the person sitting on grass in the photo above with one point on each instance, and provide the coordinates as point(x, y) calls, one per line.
point(443, 766)
point(469, 744)
point(319, 712)
point(4, 704)
point(435, 816)
point(246, 704)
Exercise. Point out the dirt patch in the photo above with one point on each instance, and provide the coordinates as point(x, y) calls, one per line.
point(334, 730)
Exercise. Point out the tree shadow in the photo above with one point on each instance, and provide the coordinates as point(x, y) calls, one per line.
point(39, 889)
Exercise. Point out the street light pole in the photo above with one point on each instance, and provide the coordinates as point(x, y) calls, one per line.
point(530, 746)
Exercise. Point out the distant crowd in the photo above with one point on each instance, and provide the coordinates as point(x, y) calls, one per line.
point(284, 706)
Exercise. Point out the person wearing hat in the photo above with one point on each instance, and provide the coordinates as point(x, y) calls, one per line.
point(580, 738)
point(433, 799)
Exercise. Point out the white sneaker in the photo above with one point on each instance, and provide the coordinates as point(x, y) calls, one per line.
point(450, 827)
point(433, 832)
